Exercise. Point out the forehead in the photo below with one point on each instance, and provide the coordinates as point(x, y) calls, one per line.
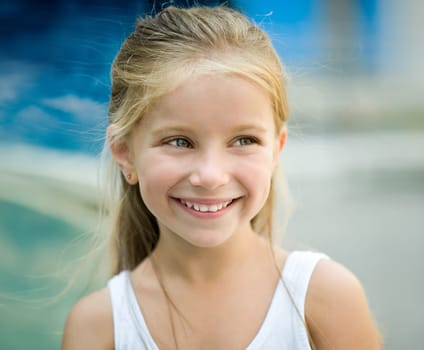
point(210, 99)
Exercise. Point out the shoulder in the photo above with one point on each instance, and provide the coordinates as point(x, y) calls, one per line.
point(89, 324)
point(337, 313)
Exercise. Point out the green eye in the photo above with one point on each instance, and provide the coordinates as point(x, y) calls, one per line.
point(245, 141)
point(180, 142)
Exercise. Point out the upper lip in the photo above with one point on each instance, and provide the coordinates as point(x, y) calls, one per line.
point(203, 207)
point(206, 201)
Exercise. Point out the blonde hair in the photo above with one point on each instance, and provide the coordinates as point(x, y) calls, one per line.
point(156, 58)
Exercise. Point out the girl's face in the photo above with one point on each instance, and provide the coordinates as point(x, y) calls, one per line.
point(204, 158)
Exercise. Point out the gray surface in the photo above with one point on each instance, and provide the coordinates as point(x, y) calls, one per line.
point(360, 199)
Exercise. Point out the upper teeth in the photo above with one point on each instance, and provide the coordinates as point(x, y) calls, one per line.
point(205, 208)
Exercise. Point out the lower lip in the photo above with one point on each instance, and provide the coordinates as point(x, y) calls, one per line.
point(206, 214)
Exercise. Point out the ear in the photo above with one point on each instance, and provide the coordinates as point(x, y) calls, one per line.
point(122, 155)
point(282, 138)
point(279, 144)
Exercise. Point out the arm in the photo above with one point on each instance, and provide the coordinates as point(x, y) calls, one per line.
point(89, 324)
point(337, 313)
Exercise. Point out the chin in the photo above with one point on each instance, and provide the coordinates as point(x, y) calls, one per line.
point(208, 241)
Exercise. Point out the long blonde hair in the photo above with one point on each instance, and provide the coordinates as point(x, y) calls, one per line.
point(157, 57)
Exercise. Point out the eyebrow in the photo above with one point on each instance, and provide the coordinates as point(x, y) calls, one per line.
point(250, 127)
point(186, 128)
point(171, 128)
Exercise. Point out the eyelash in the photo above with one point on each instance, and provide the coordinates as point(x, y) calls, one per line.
point(174, 142)
point(188, 144)
point(251, 140)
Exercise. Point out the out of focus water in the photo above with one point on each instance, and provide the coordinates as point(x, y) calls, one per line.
point(359, 198)
point(31, 244)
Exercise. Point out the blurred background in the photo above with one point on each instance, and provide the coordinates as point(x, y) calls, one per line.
point(354, 159)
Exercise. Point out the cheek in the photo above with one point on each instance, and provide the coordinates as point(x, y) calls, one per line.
point(153, 186)
point(152, 166)
point(157, 174)
point(257, 174)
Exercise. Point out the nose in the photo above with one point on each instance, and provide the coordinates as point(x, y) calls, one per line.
point(209, 171)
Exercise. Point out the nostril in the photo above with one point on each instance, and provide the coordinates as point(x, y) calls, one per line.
point(209, 178)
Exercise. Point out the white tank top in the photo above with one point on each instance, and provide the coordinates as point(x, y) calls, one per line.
point(282, 328)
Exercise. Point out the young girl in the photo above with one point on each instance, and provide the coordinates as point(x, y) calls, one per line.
point(197, 121)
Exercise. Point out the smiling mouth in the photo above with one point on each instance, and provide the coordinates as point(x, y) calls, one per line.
point(204, 208)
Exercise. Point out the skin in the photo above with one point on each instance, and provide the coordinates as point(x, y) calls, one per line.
point(208, 262)
point(230, 157)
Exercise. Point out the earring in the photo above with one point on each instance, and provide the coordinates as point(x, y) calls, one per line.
point(129, 177)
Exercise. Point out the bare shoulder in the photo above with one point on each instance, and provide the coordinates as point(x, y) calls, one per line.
point(89, 324)
point(337, 312)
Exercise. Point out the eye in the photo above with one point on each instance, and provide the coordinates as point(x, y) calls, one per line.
point(180, 142)
point(245, 141)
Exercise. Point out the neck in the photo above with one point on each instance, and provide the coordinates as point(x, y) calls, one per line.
point(175, 257)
